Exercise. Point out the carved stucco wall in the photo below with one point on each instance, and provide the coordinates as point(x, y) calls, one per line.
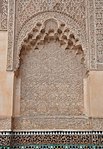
point(28, 13)
point(80, 17)
point(84, 18)
point(87, 14)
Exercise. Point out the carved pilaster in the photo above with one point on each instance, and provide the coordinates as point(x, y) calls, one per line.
point(99, 32)
point(11, 29)
point(91, 26)
point(3, 14)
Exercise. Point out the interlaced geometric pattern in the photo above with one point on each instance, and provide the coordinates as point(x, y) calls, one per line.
point(51, 140)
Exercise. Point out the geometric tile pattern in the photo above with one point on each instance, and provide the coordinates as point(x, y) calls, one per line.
point(51, 139)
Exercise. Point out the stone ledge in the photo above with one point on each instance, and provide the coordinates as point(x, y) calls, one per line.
point(48, 123)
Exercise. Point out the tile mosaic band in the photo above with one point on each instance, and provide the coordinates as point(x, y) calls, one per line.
point(51, 139)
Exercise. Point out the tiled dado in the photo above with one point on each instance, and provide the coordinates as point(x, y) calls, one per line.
point(43, 139)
